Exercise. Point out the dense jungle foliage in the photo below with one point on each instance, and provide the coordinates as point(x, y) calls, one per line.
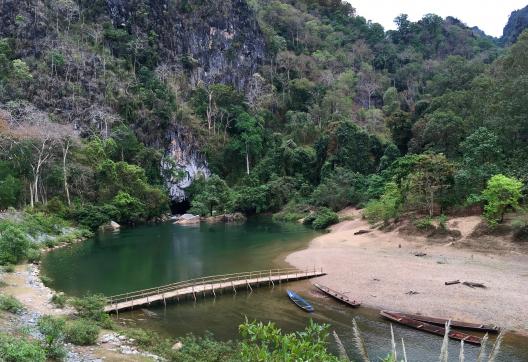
point(338, 112)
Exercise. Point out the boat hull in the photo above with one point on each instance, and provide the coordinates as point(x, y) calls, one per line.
point(337, 296)
point(430, 328)
point(300, 302)
point(455, 324)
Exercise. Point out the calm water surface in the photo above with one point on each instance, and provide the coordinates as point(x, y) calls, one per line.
point(149, 256)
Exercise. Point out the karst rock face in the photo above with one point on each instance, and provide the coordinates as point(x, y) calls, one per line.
point(203, 42)
point(517, 23)
point(216, 41)
point(186, 163)
point(213, 42)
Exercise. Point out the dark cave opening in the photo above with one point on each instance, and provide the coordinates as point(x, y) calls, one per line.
point(180, 207)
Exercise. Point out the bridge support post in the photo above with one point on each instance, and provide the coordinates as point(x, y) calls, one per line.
point(233, 286)
point(249, 285)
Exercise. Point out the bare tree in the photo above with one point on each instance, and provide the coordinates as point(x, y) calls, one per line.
point(32, 139)
point(369, 83)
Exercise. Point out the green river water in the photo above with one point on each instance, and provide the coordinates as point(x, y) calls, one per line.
point(149, 256)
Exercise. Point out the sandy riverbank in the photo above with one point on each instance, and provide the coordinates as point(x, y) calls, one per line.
point(380, 268)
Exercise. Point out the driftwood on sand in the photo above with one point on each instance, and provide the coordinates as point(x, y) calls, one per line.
point(361, 232)
point(452, 282)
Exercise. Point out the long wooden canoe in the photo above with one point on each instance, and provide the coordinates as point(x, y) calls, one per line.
point(336, 295)
point(427, 327)
point(455, 324)
point(300, 302)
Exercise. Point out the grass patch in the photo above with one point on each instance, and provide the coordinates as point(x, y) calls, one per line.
point(425, 223)
point(10, 304)
point(46, 280)
point(10, 268)
point(59, 300)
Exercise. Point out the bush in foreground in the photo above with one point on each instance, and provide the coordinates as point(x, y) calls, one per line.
point(81, 332)
point(52, 328)
point(16, 349)
point(266, 342)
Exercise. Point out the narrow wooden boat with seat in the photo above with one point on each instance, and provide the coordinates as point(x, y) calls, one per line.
point(300, 302)
point(338, 296)
point(454, 324)
point(427, 327)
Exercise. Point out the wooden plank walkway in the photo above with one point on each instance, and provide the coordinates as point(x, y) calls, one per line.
point(206, 286)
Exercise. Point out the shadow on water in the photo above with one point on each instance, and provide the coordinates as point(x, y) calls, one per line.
point(155, 255)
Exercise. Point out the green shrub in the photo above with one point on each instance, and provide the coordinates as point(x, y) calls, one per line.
point(501, 193)
point(266, 342)
point(425, 223)
point(51, 243)
point(81, 332)
point(16, 349)
point(287, 216)
point(10, 304)
point(47, 281)
point(340, 189)
point(387, 207)
point(59, 300)
point(52, 328)
point(91, 308)
point(310, 218)
point(206, 349)
point(91, 216)
point(442, 221)
point(14, 244)
point(55, 206)
point(33, 254)
point(131, 209)
point(324, 218)
point(292, 212)
point(41, 223)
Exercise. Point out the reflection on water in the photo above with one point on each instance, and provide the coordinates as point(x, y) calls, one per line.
point(150, 256)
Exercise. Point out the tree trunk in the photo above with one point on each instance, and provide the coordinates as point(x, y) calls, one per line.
point(31, 202)
point(64, 171)
point(247, 158)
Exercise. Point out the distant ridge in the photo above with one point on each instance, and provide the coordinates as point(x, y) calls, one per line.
point(517, 23)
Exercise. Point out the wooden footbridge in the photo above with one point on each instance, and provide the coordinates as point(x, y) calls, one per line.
point(206, 286)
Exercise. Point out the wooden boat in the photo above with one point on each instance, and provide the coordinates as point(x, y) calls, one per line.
point(431, 328)
point(336, 295)
point(300, 302)
point(454, 324)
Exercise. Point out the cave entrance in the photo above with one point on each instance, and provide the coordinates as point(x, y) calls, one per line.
point(180, 207)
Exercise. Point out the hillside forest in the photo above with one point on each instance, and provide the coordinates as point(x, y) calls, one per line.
point(310, 108)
